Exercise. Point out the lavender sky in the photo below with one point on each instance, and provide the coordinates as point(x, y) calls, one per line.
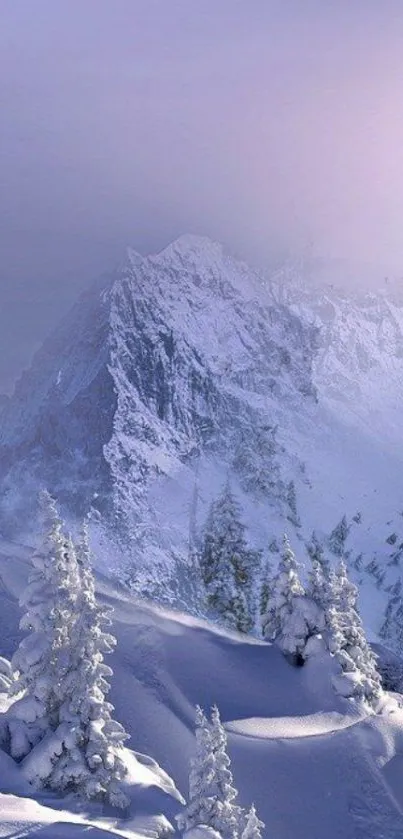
point(270, 125)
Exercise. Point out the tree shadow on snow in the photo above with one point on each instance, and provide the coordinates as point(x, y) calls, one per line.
point(151, 801)
point(244, 679)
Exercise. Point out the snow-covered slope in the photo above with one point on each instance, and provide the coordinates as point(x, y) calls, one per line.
point(311, 764)
point(186, 368)
point(358, 369)
point(174, 367)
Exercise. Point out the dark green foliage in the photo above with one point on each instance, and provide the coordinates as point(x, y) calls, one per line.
point(291, 498)
point(390, 668)
point(227, 564)
point(316, 553)
point(264, 598)
point(256, 460)
point(391, 630)
point(338, 536)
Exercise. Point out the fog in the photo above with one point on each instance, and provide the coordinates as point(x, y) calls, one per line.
point(273, 126)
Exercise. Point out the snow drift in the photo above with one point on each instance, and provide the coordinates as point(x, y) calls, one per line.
point(311, 763)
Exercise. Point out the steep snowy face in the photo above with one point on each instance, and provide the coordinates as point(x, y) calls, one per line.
point(360, 366)
point(53, 429)
point(358, 369)
point(185, 369)
point(203, 372)
point(173, 362)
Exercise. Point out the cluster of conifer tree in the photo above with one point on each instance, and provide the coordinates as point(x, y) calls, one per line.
point(212, 794)
point(60, 726)
point(321, 616)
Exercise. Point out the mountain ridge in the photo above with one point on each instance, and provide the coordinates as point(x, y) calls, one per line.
point(184, 368)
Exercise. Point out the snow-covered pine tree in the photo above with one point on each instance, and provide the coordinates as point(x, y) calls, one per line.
point(227, 564)
point(292, 618)
point(392, 627)
point(316, 553)
point(256, 460)
point(91, 760)
point(348, 643)
point(318, 590)
point(42, 657)
point(62, 726)
point(228, 817)
point(372, 567)
point(253, 825)
point(273, 546)
point(338, 536)
point(201, 804)
point(282, 623)
point(291, 497)
point(264, 598)
point(265, 575)
point(211, 791)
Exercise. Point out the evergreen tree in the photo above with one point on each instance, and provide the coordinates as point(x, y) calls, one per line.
point(264, 592)
point(338, 536)
point(392, 627)
point(291, 497)
point(256, 462)
point(318, 589)
point(201, 803)
point(42, 656)
point(316, 554)
point(264, 598)
point(63, 726)
point(211, 791)
point(372, 567)
point(273, 546)
point(227, 564)
point(253, 825)
point(228, 814)
point(284, 622)
point(93, 760)
point(347, 640)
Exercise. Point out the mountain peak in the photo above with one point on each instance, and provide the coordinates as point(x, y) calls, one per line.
point(193, 246)
point(133, 256)
point(210, 264)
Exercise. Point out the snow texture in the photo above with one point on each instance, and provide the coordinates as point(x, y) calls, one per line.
point(311, 762)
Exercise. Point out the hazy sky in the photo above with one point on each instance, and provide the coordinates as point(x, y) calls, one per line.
point(267, 124)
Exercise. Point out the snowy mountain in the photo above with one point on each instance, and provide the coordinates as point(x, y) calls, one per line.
point(187, 368)
point(358, 369)
point(170, 368)
point(311, 761)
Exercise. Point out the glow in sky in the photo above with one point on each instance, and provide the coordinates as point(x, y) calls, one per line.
point(264, 124)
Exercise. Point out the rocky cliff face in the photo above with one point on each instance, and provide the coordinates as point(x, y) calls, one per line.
point(185, 369)
point(201, 368)
point(54, 427)
point(174, 361)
